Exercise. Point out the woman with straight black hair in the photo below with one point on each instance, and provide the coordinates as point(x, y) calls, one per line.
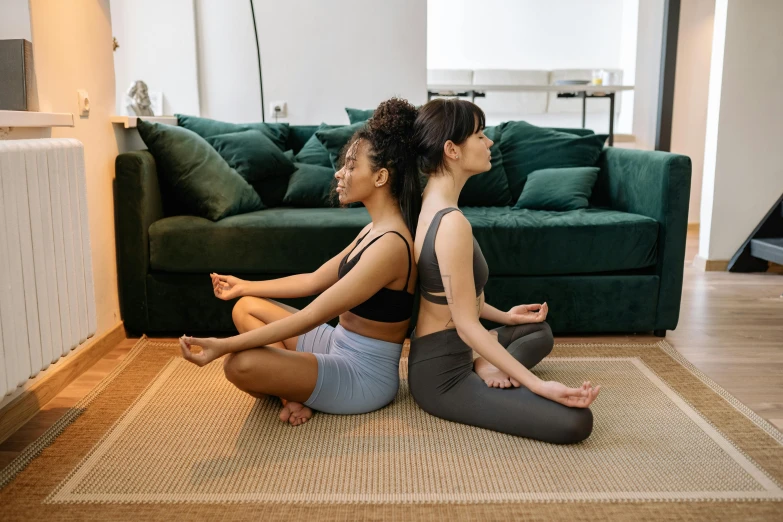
point(496, 390)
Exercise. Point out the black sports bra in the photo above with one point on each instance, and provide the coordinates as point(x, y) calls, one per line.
point(430, 279)
point(387, 305)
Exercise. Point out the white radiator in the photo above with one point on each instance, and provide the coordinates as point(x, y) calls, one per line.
point(47, 298)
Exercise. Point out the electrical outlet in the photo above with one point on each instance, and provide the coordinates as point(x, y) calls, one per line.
point(278, 109)
point(84, 102)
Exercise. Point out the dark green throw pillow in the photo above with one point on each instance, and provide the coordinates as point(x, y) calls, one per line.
point(313, 152)
point(488, 189)
point(193, 174)
point(558, 189)
point(204, 127)
point(311, 186)
point(527, 148)
point(335, 139)
point(359, 115)
point(258, 160)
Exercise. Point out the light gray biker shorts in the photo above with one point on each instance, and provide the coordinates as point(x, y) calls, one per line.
point(356, 374)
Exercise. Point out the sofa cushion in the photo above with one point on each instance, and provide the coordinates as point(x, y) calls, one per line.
point(310, 186)
point(558, 189)
point(514, 242)
point(204, 127)
point(194, 178)
point(541, 242)
point(274, 241)
point(298, 136)
point(313, 152)
point(257, 159)
point(335, 139)
point(359, 115)
point(527, 148)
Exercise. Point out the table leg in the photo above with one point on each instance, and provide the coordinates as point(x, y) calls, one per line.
point(611, 119)
point(584, 108)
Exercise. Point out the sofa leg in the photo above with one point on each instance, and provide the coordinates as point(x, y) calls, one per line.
point(659, 333)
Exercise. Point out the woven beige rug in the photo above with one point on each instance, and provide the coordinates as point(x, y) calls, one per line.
point(664, 436)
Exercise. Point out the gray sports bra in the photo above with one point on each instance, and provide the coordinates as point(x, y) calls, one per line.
point(429, 271)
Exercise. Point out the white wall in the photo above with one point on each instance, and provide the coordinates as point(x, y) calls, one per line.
point(538, 35)
point(228, 64)
point(157, 45)
point(72, 48)
point(629, 25)
point(15, 20)
point(691, 87)
point(523, 34)
point(317, 56)
point(743, 158)
point(649, 39)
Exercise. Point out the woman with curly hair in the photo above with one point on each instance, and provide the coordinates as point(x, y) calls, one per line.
point(293, 354)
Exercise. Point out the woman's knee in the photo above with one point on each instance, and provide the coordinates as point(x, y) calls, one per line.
point(237, 367)
point(531, 344)
point(241, 310)
point(576, 426)
point(548, 339)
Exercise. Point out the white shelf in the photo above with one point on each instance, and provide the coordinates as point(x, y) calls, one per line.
point(530, 88)
point(35, 119)
point(129, 122)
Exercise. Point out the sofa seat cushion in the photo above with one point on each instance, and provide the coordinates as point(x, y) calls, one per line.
point(280, 240)
point(542, 242)
point(515, 242)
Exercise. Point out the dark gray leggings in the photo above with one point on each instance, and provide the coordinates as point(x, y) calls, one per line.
point(443, 383)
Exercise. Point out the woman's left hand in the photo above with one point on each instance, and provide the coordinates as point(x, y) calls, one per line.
point(527, 314)
point(211, 349)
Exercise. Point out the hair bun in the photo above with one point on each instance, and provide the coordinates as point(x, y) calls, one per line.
point(389, 133)
point(394, 117)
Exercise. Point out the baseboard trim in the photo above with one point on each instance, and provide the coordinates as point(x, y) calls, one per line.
point(710, 265)
point(26, 401)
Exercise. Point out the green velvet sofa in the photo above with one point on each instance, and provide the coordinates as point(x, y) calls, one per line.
point(616, 266)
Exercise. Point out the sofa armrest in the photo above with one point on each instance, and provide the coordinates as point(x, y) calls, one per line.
point(137, 204)
point(658, 185)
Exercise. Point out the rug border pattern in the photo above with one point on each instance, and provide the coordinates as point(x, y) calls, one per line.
point(34, 449)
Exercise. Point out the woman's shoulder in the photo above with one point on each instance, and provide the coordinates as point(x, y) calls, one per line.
point(455, 220)
point(363, 232)
point(403, 233)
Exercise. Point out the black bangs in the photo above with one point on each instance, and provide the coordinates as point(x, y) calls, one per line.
point(465, 119)
point(443, 120)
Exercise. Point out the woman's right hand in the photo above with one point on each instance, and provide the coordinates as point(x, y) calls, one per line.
point(573, 397)
point(227, 287)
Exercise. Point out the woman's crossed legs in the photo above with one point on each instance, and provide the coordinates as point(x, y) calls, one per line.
point(277, 369)
point(443, 382)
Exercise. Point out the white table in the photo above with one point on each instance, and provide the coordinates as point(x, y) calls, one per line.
point(583, 91)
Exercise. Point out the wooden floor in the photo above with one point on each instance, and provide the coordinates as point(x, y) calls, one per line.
point(731, 327)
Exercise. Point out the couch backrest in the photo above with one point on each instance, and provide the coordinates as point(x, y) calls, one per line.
point(301, 133)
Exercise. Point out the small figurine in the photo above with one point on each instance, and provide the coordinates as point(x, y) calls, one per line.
point(137, 100)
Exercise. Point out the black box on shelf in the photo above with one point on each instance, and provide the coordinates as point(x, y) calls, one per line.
point(17, 79)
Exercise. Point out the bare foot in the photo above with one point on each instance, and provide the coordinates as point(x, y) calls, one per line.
point(492, 375)
point(295, 413)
